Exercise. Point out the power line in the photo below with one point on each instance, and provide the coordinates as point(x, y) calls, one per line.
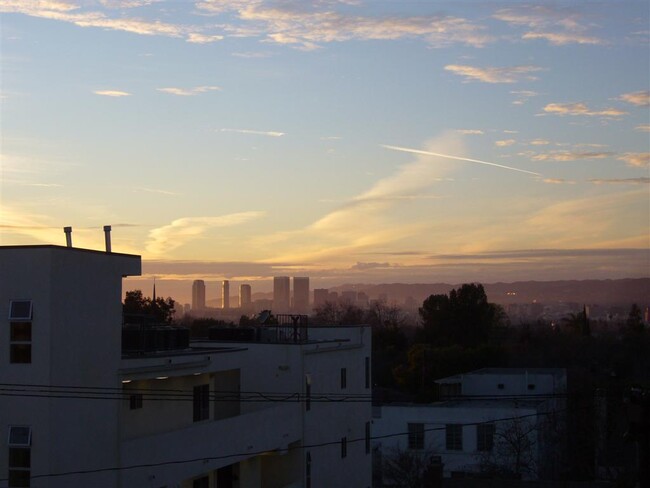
point(256, 453)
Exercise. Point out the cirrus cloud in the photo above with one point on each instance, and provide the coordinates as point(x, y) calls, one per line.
point(112, 93)
point(639, 98)
point(493, 74)
point(635, 159)
point(169, 237)
point(580, 108)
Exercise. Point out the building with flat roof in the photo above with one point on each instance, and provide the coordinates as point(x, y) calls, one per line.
point(245, 296)
point(94, 401)
point(281, 294)
point(300, 295)
point(225, 294)
point(198, 295)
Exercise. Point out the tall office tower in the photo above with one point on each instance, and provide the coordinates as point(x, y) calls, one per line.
point(225, 294)
point(198, 295)
point(321, 295)
point(301, 294)
point(349, 296)
point(281, 294)
point(245, 296)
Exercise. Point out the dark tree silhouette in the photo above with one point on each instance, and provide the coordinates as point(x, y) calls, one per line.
point(463, 317)
point(160, 309)
point(634, 322)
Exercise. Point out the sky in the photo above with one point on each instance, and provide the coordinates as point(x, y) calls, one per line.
point(349, 141)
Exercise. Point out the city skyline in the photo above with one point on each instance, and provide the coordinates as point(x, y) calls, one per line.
point(351, 142)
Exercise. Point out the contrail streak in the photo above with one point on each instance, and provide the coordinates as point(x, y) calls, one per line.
point(429, 153)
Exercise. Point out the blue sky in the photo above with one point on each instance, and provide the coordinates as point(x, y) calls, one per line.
point(242, 140)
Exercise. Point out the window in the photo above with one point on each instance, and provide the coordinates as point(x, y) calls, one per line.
point(20, 440)
point(531, 386)
point(344, 378)
point(454, 437)
point(20, 310)
point(202, 482)
point(344, 447)
point(367, 437)
point(485, 437)
point(367, 372)
point(201, 402)
point(20, 331)
point(500, 386)
point(416, 436)
point(307, 392)
point(135, 401)
point(308, 470)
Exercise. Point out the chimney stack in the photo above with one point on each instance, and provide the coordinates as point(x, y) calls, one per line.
point(107, 237)
point(68, 236)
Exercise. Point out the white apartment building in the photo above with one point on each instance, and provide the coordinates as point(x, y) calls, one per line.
point(509, 420)
point(87, 402)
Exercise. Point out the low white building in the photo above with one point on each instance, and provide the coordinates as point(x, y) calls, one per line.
point(88, 403)
point(508, 421)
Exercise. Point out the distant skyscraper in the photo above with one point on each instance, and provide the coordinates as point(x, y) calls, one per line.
point(281, 294)
point(225, 294)
point(301, 294)
point(198, 295)
point(349, 296)
point(245, 300)
point(321, 295)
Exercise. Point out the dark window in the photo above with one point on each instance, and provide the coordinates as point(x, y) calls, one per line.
point(202, 482)
point(20, 342)
point(307, 393)
point(20, 436)
point(344, 447)
point(531, 386)
point(367, 437)
point(344, 378)
point(485, 437)
point(367, 372)
point(454, 437)
point(416, 436)
point(500, 386)
point(20, 439)
point(308, 470)
point(135, 401)
point(20, 310)
point(201, 402)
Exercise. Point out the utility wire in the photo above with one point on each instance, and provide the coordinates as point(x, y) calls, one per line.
point(256, 453)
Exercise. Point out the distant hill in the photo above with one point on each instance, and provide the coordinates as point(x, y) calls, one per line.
point(603, 292)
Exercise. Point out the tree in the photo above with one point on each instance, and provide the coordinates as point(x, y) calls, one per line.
point(463, 317)
point(409, 468)
point(160, 310)
point(634, 322)
point(513, 453)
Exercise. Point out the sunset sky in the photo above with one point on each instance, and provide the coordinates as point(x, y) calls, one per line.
point(245, 139)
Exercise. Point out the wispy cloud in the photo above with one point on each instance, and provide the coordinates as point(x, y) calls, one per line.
point(308, 26)
point(155, 190)
point(580, 108)
point(112, 93)
point(570, 156)
point(458, 158)
point(474, 132)
point(493, 74)
point(625, 181)
point(504, 142)
point(636, 159)
point(561, 38)
point(188, 92)
point(539, 142)
point(642, 128)
point(198, 38)
point(639, 98)
point(555, 25)
point(269, 133)
point(523, 96)
point(558, 181)
point(165, 239)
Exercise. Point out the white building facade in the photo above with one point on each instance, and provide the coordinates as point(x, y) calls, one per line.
point(87, 405)
point(503, 421)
